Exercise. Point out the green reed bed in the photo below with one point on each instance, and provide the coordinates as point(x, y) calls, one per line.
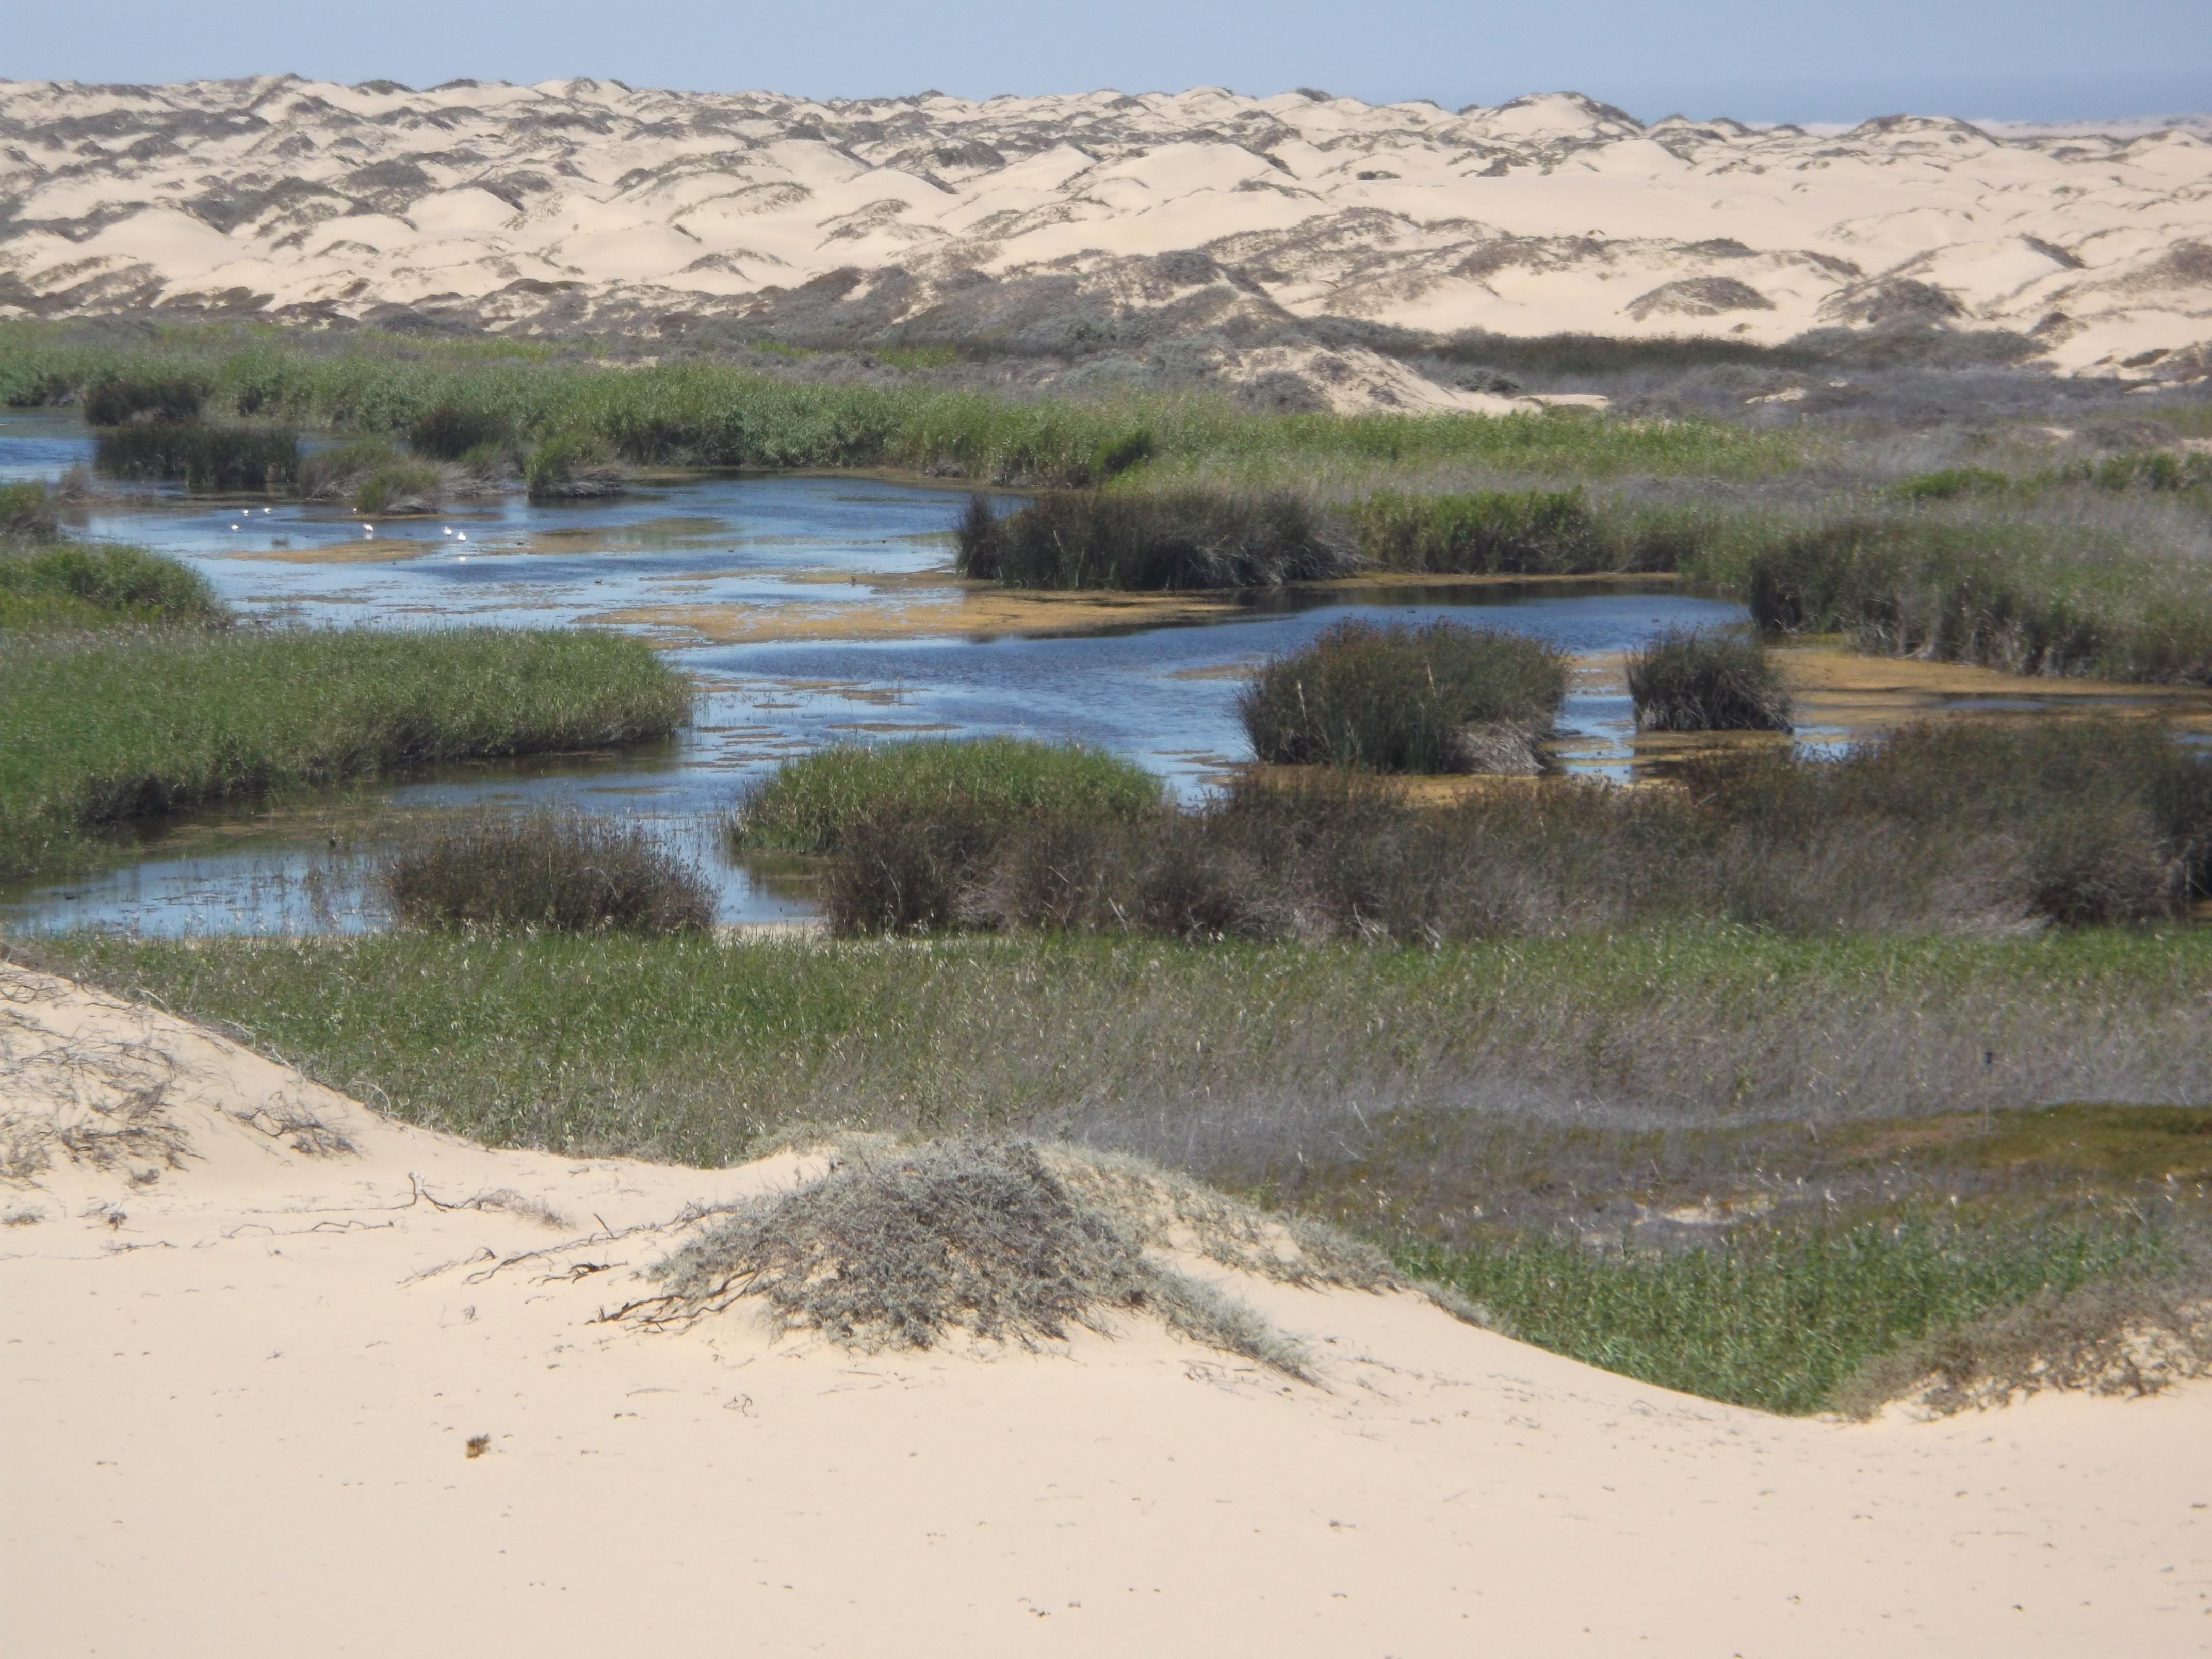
point(51, 584)
point(1439, 698)
point(1781, 1321)
point(204, 458)
point(94, 730)
point(807, 805)
point(720, 414)
point(1161, 541)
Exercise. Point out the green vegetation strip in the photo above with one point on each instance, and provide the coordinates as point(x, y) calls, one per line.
point(94, 730)
point(718, 414)
point(1782, 1321)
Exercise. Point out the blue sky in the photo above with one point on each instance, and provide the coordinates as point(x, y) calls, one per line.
point(1838, 60)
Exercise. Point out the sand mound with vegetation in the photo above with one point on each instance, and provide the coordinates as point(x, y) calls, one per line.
point(311, 1380)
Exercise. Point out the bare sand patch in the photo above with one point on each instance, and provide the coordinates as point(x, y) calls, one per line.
point(284, 1376)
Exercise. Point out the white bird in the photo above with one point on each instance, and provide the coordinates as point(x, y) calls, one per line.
point(464, 535)
point(449, 529)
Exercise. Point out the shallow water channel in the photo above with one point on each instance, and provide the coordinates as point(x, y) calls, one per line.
point(1162, 693)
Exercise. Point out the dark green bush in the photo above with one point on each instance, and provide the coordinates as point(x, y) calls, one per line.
point(205, 459)
point(573, 468)
point(1397, 699)
point(564, 870)
point(449, 431)
point(1181, 539)
point(26, 509)
point(1706, 680)
point(119, 398)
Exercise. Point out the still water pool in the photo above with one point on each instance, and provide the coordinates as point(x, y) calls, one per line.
point(1162, 695)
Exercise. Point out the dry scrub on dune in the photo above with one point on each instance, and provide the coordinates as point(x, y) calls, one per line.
point(1001, 1239)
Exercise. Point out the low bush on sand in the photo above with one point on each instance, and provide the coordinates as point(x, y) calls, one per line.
point(1706, 680)
point(1188, 539)
point(567, 871)
point(95, 584)
point(898, 1248)
point(204, 459)
point(809, 805)
point(1438, 698)
point(94, 730)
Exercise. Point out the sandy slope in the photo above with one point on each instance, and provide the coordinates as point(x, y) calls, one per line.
point(238, 1395)
point(1059, 223)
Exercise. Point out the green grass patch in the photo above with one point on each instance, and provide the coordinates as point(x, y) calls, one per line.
point(1781, 1321)
point(93, 585)
point(96, 731)
point(809, 804)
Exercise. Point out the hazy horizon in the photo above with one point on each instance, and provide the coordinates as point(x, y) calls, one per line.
point(2034, 60)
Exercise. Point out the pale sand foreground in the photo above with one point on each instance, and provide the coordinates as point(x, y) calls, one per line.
point(237, 1399)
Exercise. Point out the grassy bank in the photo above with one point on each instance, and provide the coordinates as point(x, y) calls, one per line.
point(1484, 1107)
point(720, 414)
point(52, 586)
point(94, 730)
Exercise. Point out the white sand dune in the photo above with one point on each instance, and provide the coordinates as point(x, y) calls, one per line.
point(1049, 220)
point(251, 1329)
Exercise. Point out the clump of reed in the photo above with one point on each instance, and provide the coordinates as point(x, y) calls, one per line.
point(570, 871)
point(374, 476)
point(205, 458)
point(1485, 532)
point(574, 468)
point(1985, 592)
point(119, 396)
point(26, 510)
point(1976, 829)
point(1706, 680)
point(1170, 540)
point(810, 804)
point(1438, 698)
point(96, 585)
point(451, 430)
